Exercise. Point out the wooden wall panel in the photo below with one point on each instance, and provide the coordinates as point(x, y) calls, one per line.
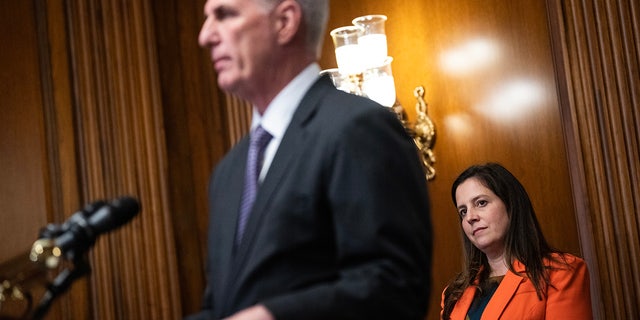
point(23, 158)
point(63, 185)
point(194, 136)
point(37, 139)
point(597, 50)
point(121, 147)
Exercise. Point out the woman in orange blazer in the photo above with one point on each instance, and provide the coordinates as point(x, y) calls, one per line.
point(510, 271)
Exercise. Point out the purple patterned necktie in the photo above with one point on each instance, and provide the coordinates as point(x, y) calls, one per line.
point(257, 143)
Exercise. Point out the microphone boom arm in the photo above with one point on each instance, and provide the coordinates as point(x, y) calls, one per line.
point(59, 246)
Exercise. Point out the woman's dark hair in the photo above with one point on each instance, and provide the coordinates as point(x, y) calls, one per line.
point(524, 240)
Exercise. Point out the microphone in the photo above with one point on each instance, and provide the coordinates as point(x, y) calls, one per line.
point(86, 212)
point(72, 239)
point(52, 230)
point(80, 232)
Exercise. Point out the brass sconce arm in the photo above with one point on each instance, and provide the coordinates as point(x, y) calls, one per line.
point(423, 132)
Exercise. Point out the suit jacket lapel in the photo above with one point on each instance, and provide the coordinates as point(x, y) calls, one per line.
point(276, 172)
point(226, 227)
point(287, 152)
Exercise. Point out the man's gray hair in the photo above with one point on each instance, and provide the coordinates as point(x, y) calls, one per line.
point(315, 18)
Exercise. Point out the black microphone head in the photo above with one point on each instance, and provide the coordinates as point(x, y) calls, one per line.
point(83, 233)
point(78, 218)
point(83, 214)
point(114, 214)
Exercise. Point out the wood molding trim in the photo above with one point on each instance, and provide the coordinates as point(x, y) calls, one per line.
point(63, 188)
point(599, 61)
point(121, 151)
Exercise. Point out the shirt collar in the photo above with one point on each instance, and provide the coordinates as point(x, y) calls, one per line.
point(279, 112)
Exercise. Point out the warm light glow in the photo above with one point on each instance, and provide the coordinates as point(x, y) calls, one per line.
point(380, 89)
point(363, 65)
point(374, 49)
point(512, 100)
point(459, 124)
point(469, 57)
point(348, 52)
point(378, 83)
point(349, 59)
point(372, 40)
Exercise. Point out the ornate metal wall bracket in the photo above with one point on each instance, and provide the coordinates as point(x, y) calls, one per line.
point(423, 132)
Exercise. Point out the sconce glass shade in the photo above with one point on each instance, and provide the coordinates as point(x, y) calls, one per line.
point(364, 69)
point(373, 40)
point(348, 52)
point(378, 84)
point(341, 81)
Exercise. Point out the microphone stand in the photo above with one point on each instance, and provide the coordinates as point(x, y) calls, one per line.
point(60, 285)
point(33, 270)
point(69, 242)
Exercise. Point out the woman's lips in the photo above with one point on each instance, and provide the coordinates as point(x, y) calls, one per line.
point(478, 229)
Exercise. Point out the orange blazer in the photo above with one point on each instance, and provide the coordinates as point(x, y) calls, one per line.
point(568, 296)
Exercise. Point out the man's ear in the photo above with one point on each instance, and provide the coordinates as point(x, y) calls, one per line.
point(288, 20)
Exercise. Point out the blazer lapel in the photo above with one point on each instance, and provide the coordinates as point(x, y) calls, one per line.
point(287, 153)
point(507, 288)
point(235, 185)
point(276, 172)
point(464, 303)
point(225, 228)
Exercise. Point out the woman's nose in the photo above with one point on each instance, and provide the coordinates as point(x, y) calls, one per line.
point(471, 216)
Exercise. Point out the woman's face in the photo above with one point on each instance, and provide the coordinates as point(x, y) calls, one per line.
point(483, 216)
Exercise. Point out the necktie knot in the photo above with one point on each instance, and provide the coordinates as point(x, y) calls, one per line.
point(259, 139)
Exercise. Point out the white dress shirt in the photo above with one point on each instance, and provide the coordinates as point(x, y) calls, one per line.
point(279, 112)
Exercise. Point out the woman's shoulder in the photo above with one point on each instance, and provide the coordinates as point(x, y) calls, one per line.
point(564, 261)
point(569, 284)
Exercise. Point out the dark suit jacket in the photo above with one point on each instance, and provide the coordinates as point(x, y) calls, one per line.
point(340, 228)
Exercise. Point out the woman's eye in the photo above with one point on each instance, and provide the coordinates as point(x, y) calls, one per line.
point(462, 213)
point(482, 203)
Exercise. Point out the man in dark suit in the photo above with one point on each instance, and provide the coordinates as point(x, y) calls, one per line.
point(340, 225)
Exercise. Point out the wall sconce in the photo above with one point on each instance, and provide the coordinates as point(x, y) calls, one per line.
point(364, 68)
